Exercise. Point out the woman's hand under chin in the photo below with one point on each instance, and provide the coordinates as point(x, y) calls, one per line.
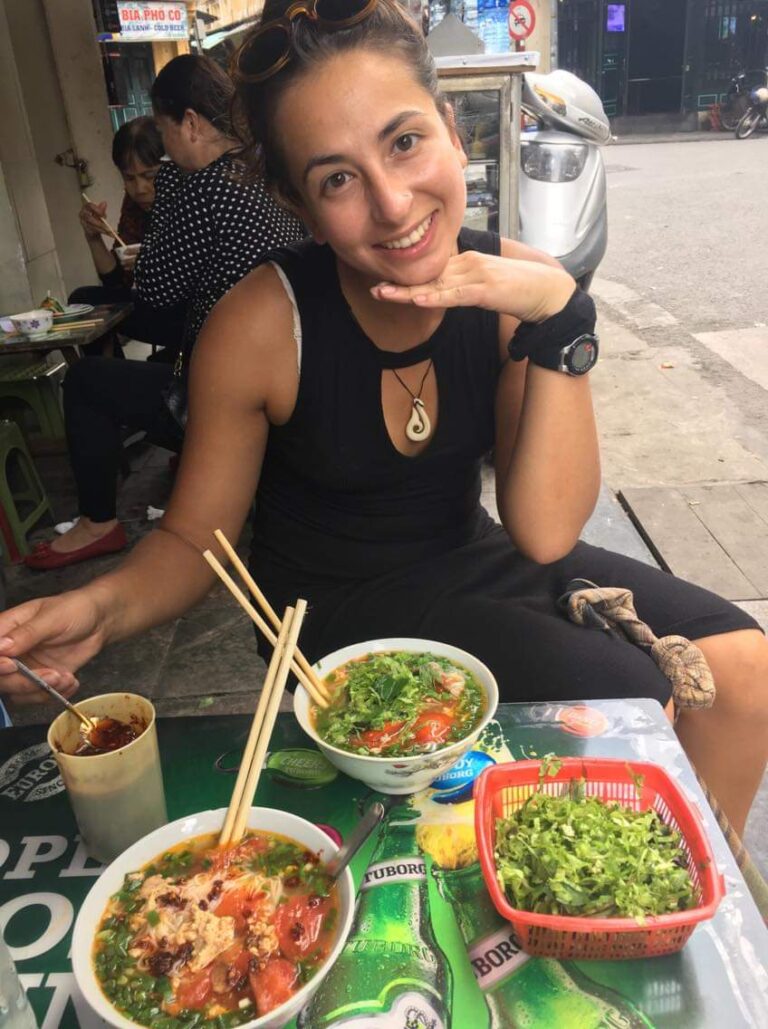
point(528, 291)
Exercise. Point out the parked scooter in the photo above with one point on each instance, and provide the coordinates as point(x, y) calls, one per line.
point(756, 115)
point(563, 196)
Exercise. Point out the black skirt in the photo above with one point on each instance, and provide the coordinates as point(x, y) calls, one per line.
point(488, 599)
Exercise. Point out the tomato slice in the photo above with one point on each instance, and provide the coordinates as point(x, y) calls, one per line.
point(273, 984)
point(432, 727)
point(299, 923)
point(237, 903)
point(194, 991)
point(376, 739)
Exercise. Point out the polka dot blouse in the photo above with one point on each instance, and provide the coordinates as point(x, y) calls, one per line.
point(208, 229)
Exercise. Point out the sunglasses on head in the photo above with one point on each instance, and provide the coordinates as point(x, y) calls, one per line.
point(270, 47)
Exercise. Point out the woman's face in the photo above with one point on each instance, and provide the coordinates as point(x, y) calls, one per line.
point(139, 182)
point(378, 170)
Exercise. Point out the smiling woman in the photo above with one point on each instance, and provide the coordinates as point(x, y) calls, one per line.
point(310, 376)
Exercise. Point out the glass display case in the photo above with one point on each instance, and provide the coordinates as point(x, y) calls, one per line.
point(485, 92)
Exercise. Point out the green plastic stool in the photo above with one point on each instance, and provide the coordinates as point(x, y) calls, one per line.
point(31, 495)
point(35, 384)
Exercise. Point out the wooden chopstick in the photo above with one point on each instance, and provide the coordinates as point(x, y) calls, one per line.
point(256, 618)
point(268, 610)
point(253, 737)
point(66, 326)
point(294, 618)
point(106, 224)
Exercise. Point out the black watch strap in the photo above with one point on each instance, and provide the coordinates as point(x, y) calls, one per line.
point(543, 342)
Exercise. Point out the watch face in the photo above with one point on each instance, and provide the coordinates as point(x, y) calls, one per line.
point(583, 355)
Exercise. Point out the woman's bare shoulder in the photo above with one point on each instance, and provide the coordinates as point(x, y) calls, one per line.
point(254, 313)
point(246, 347)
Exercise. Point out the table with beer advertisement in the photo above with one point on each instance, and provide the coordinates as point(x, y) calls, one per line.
point(427, 949)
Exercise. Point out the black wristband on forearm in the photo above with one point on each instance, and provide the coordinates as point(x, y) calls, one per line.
point(541, 342)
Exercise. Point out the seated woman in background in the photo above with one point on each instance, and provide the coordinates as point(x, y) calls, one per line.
point(211, 224)
point(354, 382)
point(137, 149)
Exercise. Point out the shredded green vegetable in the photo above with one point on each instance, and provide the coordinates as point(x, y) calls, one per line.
point(576, 855)
point(389, 691)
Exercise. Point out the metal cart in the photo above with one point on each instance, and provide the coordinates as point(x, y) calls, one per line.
point(485, 92)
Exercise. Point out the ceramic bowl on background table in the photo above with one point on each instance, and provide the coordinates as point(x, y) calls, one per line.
point(32, 323)
point(399, 775)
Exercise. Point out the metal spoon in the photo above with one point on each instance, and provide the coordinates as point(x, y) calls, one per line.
point(88, 725)
point(359, 835)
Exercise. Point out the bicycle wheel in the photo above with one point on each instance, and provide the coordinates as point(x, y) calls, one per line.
point(748, 124)
point(732, 113)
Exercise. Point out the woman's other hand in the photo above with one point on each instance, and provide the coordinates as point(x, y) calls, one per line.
point(53, 635)
point(526, 290)
point(91, 220)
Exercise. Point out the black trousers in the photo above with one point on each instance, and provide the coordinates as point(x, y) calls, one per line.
point(101, 397)
point(159, 326)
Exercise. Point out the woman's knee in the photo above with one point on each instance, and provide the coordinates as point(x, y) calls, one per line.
point(739, 664)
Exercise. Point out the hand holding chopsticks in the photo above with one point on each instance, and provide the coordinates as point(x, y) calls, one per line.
point(112, 232)
point(302, 669)
point(262, 725)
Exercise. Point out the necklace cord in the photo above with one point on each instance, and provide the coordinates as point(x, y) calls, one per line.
point(414, 396)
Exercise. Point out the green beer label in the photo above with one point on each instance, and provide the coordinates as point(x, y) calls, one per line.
point(496, 957)
point(404, 870)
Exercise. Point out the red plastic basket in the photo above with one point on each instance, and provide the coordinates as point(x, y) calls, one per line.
point(502, 789)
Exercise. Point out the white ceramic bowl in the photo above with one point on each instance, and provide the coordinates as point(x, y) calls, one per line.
point(33, 321)
point(160, 840)
point(128, 254)
point(398, 774)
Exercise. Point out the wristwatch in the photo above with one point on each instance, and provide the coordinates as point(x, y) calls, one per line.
point(566, 342)
point(579, 357)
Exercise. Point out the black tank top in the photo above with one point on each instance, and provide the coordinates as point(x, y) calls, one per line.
point(337, 503)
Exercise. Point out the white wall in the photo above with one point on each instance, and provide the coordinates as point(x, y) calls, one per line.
point(27, 246)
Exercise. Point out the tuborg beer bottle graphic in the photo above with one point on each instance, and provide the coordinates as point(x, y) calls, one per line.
point(523, 992)
point(391, 973)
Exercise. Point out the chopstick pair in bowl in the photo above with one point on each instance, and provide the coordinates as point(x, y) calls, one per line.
point(286, 657)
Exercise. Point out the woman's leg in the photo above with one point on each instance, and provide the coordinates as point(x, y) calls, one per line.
point(728, 743)
point(100, 397)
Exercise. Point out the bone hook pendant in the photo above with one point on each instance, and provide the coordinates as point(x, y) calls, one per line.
point(419, 426)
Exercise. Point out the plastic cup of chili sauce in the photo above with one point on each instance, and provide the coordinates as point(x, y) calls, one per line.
point(112, 774)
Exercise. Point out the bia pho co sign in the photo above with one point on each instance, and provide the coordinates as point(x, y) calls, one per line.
point(142, 21)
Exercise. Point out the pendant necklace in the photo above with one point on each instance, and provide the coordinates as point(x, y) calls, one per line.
point(419, 426)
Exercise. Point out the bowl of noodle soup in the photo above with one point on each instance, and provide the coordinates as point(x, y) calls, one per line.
point(177, 932)
point(402, 711)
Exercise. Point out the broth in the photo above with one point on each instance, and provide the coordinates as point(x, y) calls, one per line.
point(209, 933)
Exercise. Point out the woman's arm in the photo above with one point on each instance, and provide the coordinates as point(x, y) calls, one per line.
point(243, 375)
point(91, 216)
point(547, 454)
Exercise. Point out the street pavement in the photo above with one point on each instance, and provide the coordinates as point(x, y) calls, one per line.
point(681, 390)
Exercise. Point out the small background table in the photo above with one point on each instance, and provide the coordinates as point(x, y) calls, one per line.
point(69, 343)
point(719, 979)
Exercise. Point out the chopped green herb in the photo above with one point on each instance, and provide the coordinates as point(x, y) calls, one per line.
point(153, 918)
point(575, 855)
point(382, 702)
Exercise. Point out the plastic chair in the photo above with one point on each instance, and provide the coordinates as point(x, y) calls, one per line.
point(35, 384)
point(30, 492)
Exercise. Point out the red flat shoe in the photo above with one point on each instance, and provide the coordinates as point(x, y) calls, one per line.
point(44, 558)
